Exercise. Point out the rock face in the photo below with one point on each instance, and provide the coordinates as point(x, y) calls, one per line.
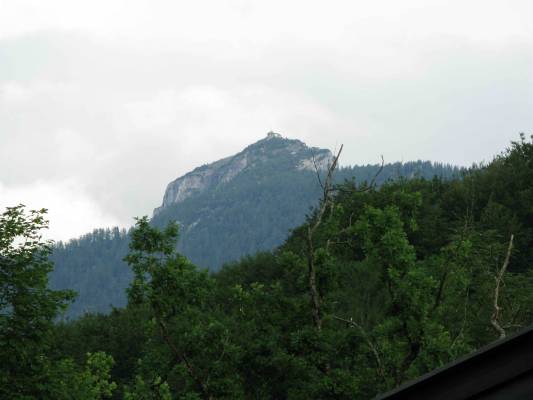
point(273, 152)
point(203, 178)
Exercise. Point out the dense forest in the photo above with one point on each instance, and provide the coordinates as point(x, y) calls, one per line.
point(377, 286)
point(254, 212)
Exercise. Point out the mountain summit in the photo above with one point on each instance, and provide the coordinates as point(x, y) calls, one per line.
point(273, 153)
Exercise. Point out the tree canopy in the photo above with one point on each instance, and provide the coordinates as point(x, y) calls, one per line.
point(407, 277)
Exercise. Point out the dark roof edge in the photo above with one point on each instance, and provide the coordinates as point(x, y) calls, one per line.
point(439, 371)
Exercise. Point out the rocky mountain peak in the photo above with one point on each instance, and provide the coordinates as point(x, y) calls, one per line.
point(274, 152)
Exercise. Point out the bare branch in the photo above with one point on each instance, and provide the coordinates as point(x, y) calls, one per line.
point(222, 354)
point(181, 357)
point(463, 324)
point(317, 170)
point(379, 171)
point(325, 201)
point(495, 318)
point(510, 326)
point(372, 183)
point(381, 370)
point(327, 188)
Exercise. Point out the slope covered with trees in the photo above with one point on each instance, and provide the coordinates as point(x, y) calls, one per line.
point(93, 266)
point(254, 211)
point(378, 286)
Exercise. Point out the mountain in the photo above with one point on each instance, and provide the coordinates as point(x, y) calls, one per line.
point(273, 153)
point(245, 203)
point(230, 208)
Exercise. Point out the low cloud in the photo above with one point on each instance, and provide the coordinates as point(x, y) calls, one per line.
point(71, 211)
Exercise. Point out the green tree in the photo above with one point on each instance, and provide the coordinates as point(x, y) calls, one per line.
point(27, 312)
point(89, 383)
point(27, 306)
point(190, 348)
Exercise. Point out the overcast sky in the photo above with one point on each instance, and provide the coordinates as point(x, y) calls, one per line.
point(102, 103)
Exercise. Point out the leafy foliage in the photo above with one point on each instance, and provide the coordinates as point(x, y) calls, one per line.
point(27, 311)
point(405, 274)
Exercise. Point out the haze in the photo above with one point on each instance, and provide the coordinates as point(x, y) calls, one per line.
point(102, 103)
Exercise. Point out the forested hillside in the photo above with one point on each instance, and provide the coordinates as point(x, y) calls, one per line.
point(226, 220)
point(378, 286)
point(92, 266)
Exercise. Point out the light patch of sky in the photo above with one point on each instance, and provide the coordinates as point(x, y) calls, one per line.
point(71, 211)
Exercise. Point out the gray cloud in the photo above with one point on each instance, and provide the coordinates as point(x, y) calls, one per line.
point(105, 103)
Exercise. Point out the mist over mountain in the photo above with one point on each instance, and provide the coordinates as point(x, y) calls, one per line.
point(227, 209)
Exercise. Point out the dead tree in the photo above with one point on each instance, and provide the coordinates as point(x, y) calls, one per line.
point(367, 186)
point(325, 202)
point(495, 318)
